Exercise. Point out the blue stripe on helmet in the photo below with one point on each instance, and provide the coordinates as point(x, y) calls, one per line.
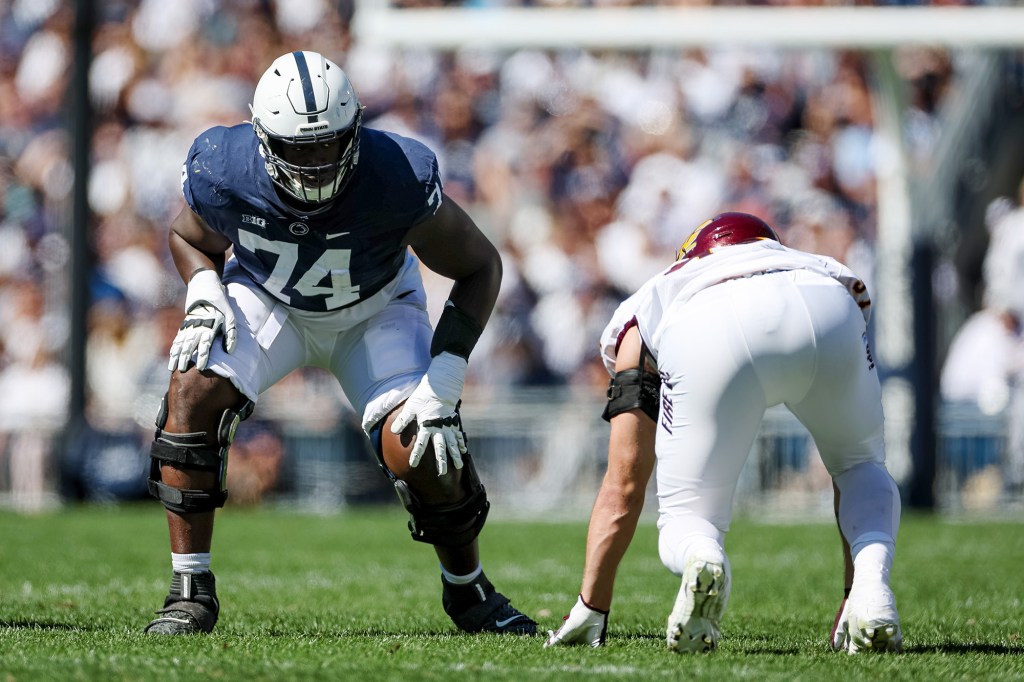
point(307, 85)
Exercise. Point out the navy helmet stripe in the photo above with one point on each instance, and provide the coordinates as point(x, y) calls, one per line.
point(307, 84)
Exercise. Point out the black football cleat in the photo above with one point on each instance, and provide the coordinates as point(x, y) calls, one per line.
point(190, 608)
point(478, 607)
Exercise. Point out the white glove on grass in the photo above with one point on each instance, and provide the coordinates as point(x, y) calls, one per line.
point(840, 628)
point(208, 315)
point(432, 405)
point(583, 625)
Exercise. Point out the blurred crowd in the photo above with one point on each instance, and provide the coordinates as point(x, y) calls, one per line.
point(585, 168)
point(984, 368)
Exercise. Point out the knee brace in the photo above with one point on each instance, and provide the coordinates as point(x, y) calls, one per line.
point(193, 451)
point(450, 525)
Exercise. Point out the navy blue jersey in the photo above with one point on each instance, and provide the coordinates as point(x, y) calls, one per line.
point(329, 259)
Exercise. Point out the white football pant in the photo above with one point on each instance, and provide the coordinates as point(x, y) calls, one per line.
point(732, 351)
point(378, 349)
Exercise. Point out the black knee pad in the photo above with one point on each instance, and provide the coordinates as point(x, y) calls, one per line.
point(193, 451)
point(450, 525)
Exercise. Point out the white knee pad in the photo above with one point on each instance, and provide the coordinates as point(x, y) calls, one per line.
point(869, 505)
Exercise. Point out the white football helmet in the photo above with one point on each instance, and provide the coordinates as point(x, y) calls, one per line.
point(307, 118)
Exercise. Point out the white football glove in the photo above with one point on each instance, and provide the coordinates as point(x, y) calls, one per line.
point(583, 625)
point(432, 405)
point(840, 628)
point(208, 315)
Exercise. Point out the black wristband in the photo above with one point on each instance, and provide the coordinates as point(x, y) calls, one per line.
point(457, 333)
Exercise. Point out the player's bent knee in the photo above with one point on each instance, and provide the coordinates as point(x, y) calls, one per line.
point(193, 451)
point(194, 397)
point(448, 525)
point(445, 525)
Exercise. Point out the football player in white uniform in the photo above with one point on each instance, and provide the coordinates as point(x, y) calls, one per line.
point(737, 324)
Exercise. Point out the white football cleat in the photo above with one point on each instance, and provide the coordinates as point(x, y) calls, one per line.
point(693, 623)
point(873, 623)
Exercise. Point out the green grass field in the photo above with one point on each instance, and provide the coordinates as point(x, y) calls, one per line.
point(350, 597)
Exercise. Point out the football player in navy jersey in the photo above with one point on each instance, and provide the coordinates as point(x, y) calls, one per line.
point(317, 212)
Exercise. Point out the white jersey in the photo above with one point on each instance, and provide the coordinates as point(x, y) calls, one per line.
point(745, 328)
point(683, 279)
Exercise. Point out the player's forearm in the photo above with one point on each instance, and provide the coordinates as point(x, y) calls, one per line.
point(476, 293)
point(617, 510)
point(195, 246)
point(188, 258)
point(612, 525)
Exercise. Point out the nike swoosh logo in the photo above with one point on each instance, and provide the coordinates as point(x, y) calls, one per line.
point(337, 234)
point(503, 623)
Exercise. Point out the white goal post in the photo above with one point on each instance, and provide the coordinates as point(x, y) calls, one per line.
point(647, 28)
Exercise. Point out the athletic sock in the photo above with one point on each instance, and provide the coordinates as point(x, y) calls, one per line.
point(872, 562)
point(453, 579)
point(198, 562)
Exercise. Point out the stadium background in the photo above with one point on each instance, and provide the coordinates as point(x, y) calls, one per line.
point(584, 153)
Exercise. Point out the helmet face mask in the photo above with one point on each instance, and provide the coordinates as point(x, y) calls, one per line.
point(307, 118)
point(723, 230)
point(311, 169)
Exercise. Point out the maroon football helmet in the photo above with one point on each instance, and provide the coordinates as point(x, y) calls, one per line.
point(723, 230)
